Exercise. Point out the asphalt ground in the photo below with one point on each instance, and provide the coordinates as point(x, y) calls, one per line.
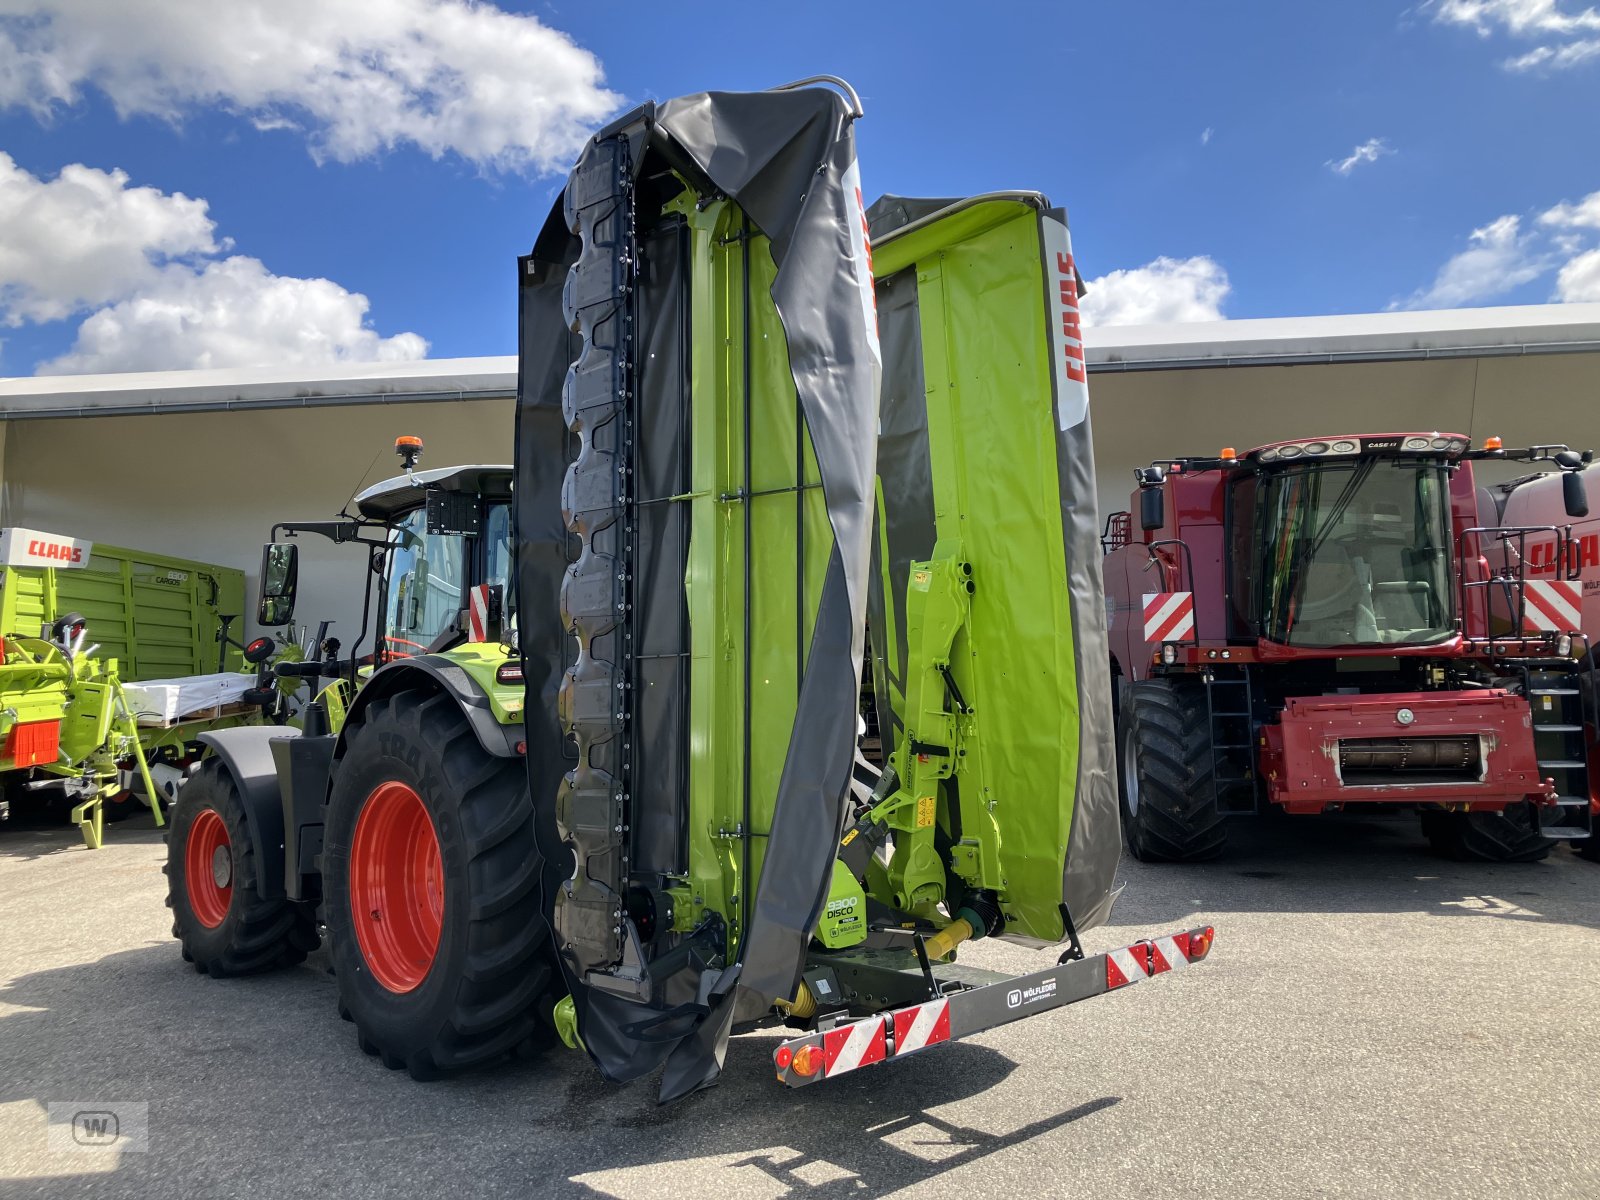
point(1372, 1022)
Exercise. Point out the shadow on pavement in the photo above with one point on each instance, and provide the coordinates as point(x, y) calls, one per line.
point(1339, 863)
point(40, 829)
point(258, 1077)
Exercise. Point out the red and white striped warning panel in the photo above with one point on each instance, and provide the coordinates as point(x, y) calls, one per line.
point(920, 1027)
point(1552, 606)
point(1168, 616)
point(856, 1045)
point(963, 1011)
point(478, 614)
point(1131, 964)
point(1143, 960)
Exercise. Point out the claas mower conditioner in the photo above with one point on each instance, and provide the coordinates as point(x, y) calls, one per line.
point(680, 837)
point(1349, 622)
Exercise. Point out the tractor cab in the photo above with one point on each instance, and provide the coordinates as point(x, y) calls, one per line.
point(439, 565)
point(449, 531)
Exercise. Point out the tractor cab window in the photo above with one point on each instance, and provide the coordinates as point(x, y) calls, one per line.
point(497, 550)
point(1354, 553)
point(426, 586)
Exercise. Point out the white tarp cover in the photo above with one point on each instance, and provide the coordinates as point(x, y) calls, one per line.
point(163, 701)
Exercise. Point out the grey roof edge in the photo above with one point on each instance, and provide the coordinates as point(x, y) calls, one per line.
point(1254, 342)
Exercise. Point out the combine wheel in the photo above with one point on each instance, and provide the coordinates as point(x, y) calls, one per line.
point(432, 885)
point(1511, 836)
point(1169, 806)
point(226, 926)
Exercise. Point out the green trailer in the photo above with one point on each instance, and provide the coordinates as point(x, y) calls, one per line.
point(78, 620)
point(157, 615)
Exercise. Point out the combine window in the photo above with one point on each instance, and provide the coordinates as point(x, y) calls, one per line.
point(1353, 554)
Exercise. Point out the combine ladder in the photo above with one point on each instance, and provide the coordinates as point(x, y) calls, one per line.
point(1230, 703)
point(1561, 747)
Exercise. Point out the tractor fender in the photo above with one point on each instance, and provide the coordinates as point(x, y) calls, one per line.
point(436, 673)
point(246, 754)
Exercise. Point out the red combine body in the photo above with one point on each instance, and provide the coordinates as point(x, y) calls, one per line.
point(1351, 621)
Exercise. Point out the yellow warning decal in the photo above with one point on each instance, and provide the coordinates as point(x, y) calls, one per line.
point(924, 811)
point(849, 837)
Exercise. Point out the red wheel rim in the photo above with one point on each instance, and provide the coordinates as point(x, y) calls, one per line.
point(208, 868)
point(396, 886)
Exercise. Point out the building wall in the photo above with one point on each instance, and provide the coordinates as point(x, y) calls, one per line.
point(210, 485)
point(1142, 416)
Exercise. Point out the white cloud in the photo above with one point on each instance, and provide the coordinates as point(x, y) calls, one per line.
point(1579, 279)
point(232, 313)
point(1368, 151)
point(1569, 32)
point(1585, 214)
point(147, 268)
point(1166, 291)
point(1499, 257)
point(1205, 136)
point(1555, 58)
point(85, 238)
point(503, 91)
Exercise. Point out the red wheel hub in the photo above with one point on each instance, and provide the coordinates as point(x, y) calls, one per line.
point(396, 886)
point(208, 868)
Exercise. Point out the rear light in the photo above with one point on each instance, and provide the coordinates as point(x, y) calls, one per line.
point(783, 1058)
point(1169, 654)
point(1564, 645)
point(1200, 943)
point(509, 673)
point(807, 1061)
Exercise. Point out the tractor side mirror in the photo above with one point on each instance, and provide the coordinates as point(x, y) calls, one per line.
point(1152, 508)
point(280, 577)
point(1574, 495)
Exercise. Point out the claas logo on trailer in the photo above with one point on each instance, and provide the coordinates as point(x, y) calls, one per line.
point(32, 548)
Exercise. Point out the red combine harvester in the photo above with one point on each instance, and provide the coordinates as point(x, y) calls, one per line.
point(1348, 621)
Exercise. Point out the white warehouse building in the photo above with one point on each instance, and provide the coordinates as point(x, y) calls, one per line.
point(202, 463)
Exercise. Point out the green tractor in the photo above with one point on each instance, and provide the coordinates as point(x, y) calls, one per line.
point(599, 774)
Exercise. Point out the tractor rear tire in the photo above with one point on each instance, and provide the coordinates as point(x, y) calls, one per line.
point(1589, 847)
point(1508, 837)
point(432, 887)
point(226, 926)
point(1164, 769)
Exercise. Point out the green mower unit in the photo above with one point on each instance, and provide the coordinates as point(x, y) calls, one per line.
point(604, 779)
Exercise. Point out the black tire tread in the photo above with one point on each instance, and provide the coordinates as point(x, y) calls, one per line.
point(1484, 837)
point(263, 933)
point(508, 965)
point(1178, 820)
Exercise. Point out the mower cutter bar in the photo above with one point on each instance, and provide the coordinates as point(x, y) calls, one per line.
point(961, 1012)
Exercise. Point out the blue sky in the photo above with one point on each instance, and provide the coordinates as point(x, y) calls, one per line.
point(286, 200)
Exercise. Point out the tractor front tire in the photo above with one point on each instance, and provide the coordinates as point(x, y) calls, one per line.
point(432, 886)
point(1164, 769)
point(1505, 837)
point(219, 913)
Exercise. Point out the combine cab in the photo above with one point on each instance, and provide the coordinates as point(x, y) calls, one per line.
point(1322, 625)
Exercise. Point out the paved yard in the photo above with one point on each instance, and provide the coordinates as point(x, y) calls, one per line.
point(1373, 1022)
